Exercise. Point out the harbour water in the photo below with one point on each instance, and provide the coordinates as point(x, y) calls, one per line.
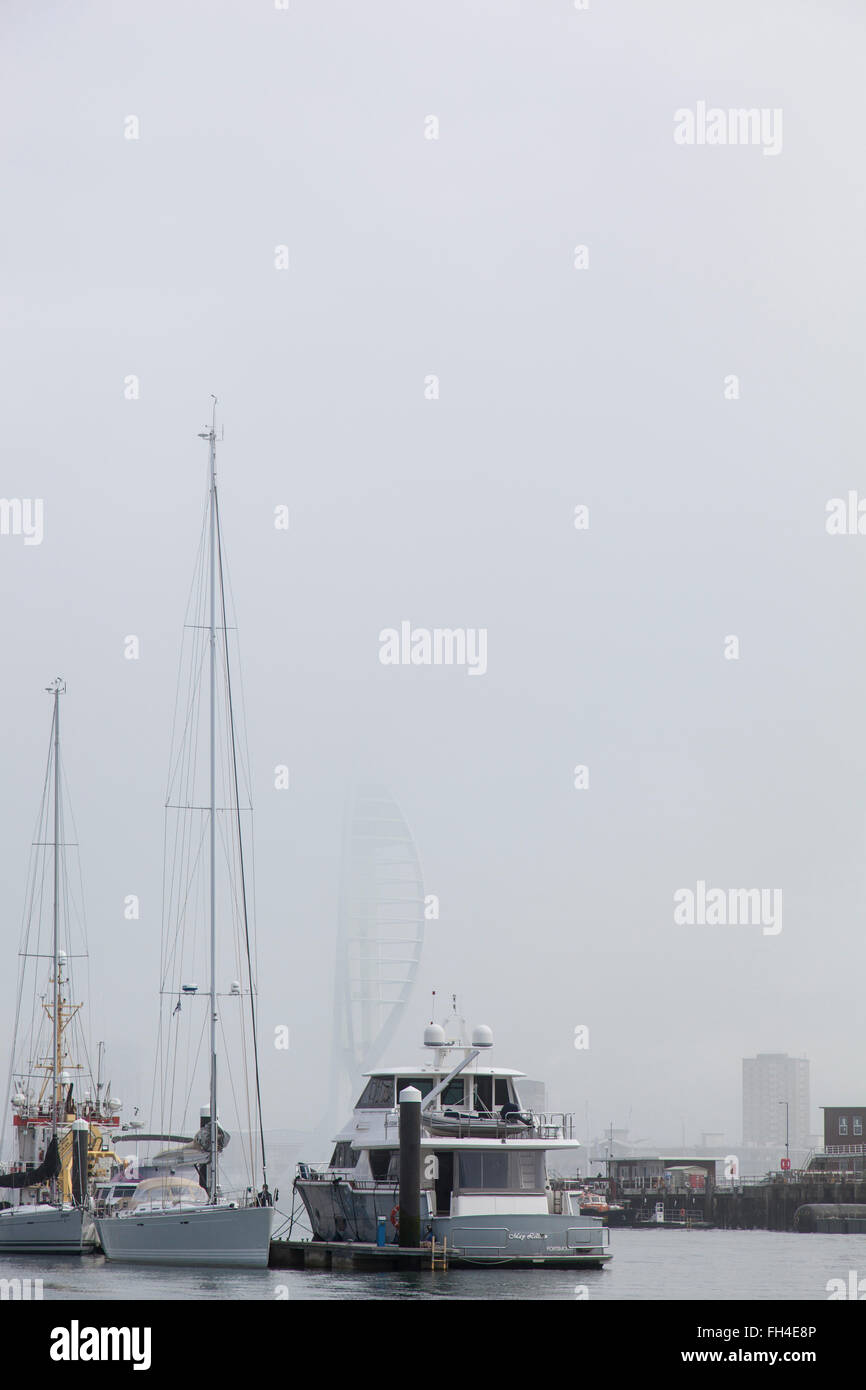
point(715, 1266)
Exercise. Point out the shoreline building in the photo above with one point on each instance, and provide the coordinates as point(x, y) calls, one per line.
point(844, 1151)
point(772, 1081)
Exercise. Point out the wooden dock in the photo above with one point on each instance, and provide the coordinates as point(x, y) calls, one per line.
point(325, 1254)
point(358, 1256)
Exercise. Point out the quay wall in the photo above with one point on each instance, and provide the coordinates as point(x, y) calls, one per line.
point(761, 1206)
point(770, 1206)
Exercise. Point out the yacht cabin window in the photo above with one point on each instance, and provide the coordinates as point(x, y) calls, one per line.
point(484, 1093)
point(381, 1092)
point(380, 1163)
point(344, 1156)
point(490, 1170)
point(453, 1093)
point(378, 1094)
point(424, 1084)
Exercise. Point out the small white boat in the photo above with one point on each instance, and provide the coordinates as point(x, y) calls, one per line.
point(470, 1124)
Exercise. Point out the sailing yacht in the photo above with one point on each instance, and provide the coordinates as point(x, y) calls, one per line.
point(185, 1215)
point(59, 1136)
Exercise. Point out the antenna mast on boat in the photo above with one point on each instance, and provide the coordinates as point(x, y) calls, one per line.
point(56, 688)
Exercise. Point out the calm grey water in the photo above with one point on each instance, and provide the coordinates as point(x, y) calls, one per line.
point(653, 1264)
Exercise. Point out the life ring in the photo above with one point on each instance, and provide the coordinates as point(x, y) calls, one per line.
point(395, 1216)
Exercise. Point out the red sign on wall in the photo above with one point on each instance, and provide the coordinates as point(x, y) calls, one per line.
point(785, 1165)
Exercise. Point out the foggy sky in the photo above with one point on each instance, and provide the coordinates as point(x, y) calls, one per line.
point(605, 387)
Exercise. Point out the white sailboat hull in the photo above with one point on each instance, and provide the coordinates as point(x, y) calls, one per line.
point(45, 1230)
point(214, 1236)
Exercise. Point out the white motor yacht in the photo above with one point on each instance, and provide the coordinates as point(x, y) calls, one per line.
point(484, 1185)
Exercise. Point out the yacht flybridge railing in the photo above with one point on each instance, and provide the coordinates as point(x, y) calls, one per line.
point(555, 1125)
point(309, 1172)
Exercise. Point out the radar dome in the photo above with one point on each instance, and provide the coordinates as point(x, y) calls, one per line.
point(434, 1035)
point(482, 1036)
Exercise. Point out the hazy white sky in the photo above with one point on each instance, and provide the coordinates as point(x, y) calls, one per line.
point(606, 386)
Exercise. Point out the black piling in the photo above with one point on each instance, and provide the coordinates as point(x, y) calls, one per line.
point(409, 1230)
point(80, 1145)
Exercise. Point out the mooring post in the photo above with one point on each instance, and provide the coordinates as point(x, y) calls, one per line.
point(409, 1231)
point(80, 1145)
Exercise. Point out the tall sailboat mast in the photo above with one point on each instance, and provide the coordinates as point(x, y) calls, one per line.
point(183, 1229)
point(213, 1185)
point(56, 688)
